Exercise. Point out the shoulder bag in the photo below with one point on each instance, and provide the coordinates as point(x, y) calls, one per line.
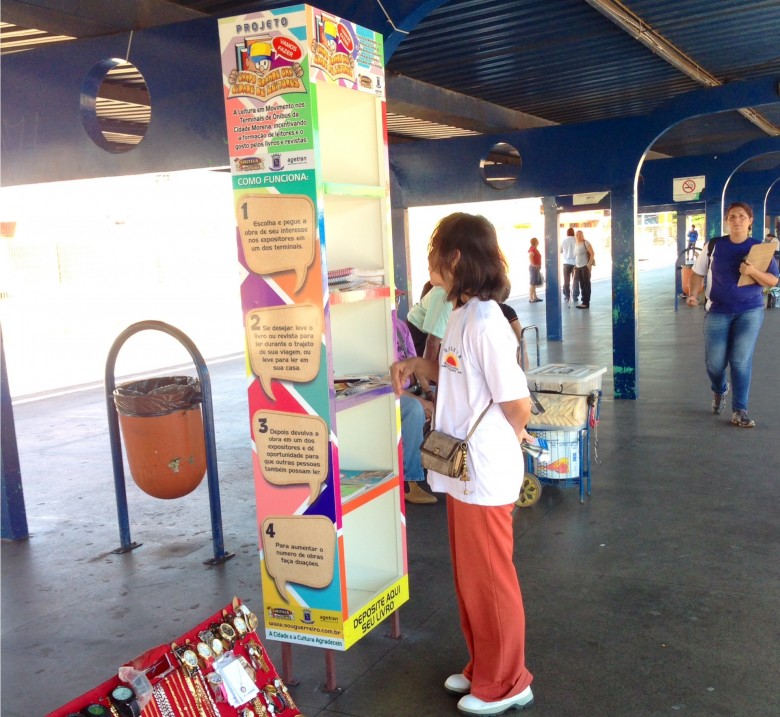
point(446, 454)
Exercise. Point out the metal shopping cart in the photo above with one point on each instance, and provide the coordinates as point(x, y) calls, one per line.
point(569, 395)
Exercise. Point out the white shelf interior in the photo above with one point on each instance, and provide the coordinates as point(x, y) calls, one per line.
point(350, 131)
point(366, 435)
point(372, 548)
point(361, 338)
point(354, 232)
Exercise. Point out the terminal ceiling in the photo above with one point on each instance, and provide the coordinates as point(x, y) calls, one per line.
point(462, 67)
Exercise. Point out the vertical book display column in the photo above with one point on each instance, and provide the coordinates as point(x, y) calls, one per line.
point(305, 110)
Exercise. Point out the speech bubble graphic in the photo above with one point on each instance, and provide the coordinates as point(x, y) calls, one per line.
point(278, 233)
point(299, 549)
point(284, 342)
point(292, 448)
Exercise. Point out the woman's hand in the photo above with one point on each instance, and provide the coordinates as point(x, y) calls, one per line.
point(746, 268)
point(401, 373)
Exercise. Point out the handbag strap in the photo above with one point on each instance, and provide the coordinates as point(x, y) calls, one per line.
point(473, 428)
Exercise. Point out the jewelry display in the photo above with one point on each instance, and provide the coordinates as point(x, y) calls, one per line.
point(218, 669)
point(161, 700)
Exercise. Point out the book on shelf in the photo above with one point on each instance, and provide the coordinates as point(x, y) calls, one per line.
point(352, 482)
point(350, 278)
point(353, 385)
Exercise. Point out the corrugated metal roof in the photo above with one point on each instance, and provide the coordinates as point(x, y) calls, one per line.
point(563, 61)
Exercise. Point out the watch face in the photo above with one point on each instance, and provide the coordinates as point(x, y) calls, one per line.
point(204, 650)
point(249, 617)
point(240, 625)
point(227, 631)
point(122, 693)
point(189, 658)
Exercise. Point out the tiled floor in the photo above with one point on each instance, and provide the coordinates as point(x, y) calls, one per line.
point(658, 596)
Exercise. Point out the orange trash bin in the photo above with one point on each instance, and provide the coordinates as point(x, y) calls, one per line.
point(162, 427)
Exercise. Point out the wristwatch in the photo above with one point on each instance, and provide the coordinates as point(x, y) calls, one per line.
point(123, 699)
point(205, 653)
point(249, 617)
point(240, 625)
point(217, 648)
point(225, 632)
point(187, 657)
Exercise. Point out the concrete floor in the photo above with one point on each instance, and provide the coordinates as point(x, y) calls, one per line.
point(658, 596)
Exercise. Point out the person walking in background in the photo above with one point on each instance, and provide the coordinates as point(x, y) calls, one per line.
point(477, 372)
point(584, 259)
point(693, 237)
point(535, 271)
point(734, 313)
point(567, 254)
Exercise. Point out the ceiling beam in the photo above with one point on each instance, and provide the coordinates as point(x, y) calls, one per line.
point(644, 33)
point(93, 18)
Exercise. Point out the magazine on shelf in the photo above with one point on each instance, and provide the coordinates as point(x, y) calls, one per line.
point(353, 482)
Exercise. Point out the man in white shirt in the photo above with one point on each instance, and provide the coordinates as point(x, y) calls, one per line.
point(567, 252)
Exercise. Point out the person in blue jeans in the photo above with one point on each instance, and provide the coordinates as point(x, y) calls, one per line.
point(416, 410)
point(734, 313)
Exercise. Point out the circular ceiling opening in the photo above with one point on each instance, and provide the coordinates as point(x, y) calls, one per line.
point(500, 167)
point(116, 107)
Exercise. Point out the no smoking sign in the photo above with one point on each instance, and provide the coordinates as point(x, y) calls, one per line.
point(688, 189)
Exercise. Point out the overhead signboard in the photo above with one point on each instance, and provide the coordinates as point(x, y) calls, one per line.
point(688, 189)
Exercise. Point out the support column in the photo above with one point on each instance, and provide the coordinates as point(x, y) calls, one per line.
point(624, 294)
point(14, 513)
point(551, 256)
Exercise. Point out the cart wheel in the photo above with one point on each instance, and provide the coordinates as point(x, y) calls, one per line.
point(530, 492)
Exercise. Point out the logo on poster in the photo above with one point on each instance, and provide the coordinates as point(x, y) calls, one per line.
point(276, 162)
point(266, 67)
point(249, 164)
point(334, 48)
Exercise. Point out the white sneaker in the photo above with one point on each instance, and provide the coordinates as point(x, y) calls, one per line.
point(471, 705)
point(458, 684)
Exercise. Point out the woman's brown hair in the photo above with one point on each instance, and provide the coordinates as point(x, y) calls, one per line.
point(464, 248)
point(742, 205)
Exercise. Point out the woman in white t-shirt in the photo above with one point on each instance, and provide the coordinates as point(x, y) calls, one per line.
point(477, 369)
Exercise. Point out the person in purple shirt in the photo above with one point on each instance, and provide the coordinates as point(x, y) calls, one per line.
point(734, 313)
point(416, 409)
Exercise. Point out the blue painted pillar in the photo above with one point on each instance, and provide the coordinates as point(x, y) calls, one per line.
point(399, 217)
point(551, 256)
point(624, 293)
point(682, 243)
point(714, 216)
point(14, 514)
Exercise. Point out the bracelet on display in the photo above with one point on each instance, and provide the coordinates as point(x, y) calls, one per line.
point(161, 700)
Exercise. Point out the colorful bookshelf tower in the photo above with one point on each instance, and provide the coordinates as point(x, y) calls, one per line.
point(305, 109)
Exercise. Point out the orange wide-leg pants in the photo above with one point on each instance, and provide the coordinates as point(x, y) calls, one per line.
point(489, 600)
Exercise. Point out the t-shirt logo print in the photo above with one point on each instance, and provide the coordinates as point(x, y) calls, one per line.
point(451, 360)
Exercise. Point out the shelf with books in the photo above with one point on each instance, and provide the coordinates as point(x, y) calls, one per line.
point(312, 205)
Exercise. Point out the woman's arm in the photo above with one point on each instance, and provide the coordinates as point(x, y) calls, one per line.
point(517, 412)
point(764, 278)
point(401, 371)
